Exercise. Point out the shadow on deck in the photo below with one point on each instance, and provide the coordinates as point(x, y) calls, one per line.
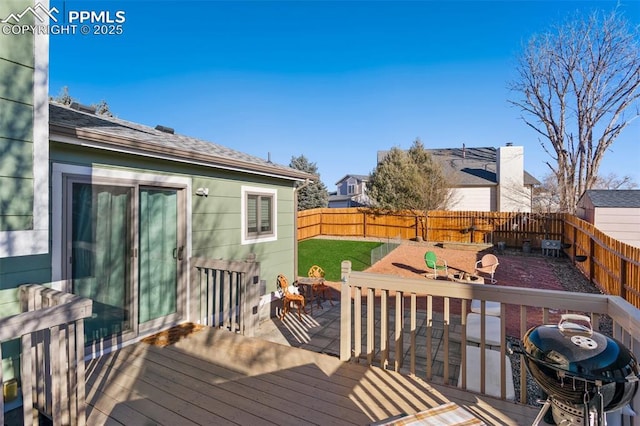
point(217, 377)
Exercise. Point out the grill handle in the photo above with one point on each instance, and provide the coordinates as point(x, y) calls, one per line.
point(567, 323)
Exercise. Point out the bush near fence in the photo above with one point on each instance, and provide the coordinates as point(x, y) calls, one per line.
point(611, 265)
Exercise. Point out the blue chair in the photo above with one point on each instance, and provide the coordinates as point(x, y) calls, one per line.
point(435, 264)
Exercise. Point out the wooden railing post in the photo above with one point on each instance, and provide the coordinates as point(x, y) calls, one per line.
point(50, 328)
point(345, 312)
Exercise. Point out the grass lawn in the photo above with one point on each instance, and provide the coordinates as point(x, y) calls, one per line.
point(329, 254)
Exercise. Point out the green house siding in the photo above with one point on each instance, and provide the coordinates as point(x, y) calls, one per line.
point(16, 123)
point(216, 228)
point(24, 76)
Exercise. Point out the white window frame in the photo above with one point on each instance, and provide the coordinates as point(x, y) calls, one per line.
point(245, 191)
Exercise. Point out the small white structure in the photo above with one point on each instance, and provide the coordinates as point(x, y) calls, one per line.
point(614, 212)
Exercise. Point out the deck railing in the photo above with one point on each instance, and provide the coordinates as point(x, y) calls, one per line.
point(225, 293)
point(365, 296)
point(52, 370)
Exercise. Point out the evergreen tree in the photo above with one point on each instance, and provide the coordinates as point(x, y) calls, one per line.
point(409, 180)
point(314, 195)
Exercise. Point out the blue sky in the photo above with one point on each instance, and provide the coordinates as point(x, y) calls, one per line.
point(334, 81)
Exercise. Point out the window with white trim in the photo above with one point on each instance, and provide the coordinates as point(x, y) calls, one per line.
point(259, 214)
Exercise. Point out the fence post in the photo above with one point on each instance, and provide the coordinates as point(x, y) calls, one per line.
point(345, 312)
point(623, 278)
point(364, 224)
point(591, 257)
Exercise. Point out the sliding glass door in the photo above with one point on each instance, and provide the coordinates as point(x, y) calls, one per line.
point(125, 245)
point(101, 227)
point(160, 253)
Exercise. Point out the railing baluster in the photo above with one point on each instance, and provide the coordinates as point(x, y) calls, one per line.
point(523, 369)
point(463, 343)
point(413, 328)
point(429, 336)
point(357, 323)
point(384, 328)
point(233, 311)
point(371, 321)
point(447, 322)
point(503, 359)
point(399, 319)
point(80, 372)
point(54, 368)
point(216, 294)
point(26, 378)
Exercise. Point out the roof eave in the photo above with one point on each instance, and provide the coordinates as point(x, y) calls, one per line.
point(97, 139)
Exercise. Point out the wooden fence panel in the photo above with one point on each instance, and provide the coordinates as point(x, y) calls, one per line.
point(393, 225)
point(513, 228)
point(611, 265)
point(309, 223)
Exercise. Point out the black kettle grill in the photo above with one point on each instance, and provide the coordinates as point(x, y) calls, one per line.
point(583, 372)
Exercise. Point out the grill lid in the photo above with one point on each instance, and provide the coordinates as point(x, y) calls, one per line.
point(560, 355)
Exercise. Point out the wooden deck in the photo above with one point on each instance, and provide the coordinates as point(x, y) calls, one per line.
point(217, 377)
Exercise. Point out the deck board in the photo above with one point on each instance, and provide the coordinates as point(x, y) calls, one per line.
point(217, 377)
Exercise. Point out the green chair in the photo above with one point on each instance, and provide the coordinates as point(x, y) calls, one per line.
point(435, 264)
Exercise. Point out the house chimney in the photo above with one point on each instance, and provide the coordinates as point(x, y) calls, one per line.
point(511, 193)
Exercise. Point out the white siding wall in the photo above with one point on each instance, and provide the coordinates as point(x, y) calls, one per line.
point(620, 223)
point(482, 199)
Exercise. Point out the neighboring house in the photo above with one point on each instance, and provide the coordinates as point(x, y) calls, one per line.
point(351, 192)
point(485, 179)
point(129, 206)
point(616, 212)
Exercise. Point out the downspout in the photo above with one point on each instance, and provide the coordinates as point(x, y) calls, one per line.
point(306, 183)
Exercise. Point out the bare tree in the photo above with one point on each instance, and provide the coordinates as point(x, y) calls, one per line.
point(546, 197)
point(579, 84)
point(613, 181)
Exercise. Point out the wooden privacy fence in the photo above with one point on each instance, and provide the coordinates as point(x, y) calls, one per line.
point(225, 293)
point(611, 265)
point(357, 222)
point(442, 226)
point(52, 369)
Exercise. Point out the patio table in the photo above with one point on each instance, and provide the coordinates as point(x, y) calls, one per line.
point(310, 290)
point(460, 278)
